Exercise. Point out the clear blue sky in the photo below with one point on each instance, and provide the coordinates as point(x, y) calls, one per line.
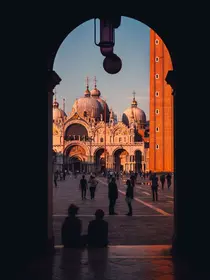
point(79, 57)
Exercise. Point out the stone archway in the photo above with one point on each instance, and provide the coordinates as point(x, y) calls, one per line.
point(51, 63)
point(75, 164)
point(100, 162)
point(77, 158)
point(121, 160)
point(138, 161)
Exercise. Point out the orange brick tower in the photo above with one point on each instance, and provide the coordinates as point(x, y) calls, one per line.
point(161, 153)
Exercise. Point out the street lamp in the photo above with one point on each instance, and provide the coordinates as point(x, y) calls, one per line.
point(112, 63)
point(107, 36)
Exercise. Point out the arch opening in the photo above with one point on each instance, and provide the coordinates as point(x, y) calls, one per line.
point(76, 132)
point(121, 160)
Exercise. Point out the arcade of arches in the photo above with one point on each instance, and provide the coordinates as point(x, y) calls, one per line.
point(98, 144)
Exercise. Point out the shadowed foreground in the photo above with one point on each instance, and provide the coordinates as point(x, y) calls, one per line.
point(117, 262)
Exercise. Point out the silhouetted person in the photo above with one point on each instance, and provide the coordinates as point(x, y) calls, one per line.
point(98, 231)
point(168, 178)
point(71, 230)
point(162, 180)
point(129, 197)
point(93, 183)
point(83, 186)
point(55, 178)
point(154, 187)
point(133, 180)
point(112, 195)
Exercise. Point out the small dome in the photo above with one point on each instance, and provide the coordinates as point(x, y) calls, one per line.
point(87, 92)
point(134, 102)
point(95, 92)
point(135, 114)
point(55, 104)
point(57, 112)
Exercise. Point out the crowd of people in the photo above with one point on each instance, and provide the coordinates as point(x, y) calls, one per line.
point(98, 229)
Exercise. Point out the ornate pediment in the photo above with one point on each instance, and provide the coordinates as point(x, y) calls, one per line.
point(121, 129)
point(75, 116)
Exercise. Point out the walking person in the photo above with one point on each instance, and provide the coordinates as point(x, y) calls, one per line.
point(168, 178)
point(93, 183)
point(83, 187)
point(154, 187)
point(129, 197)
point(112, 195)
point(162, 180)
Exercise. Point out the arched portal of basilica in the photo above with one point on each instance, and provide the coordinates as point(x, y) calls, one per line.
point(138, 161)
point(76, 159)
point(121, 161)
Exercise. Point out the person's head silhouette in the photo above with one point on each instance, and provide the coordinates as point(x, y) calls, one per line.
point(99, 214)
point(73, 210)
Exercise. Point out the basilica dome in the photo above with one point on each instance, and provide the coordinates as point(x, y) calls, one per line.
point(95, 93)
point(133, 113)
point(89, 105)
point(57, 112)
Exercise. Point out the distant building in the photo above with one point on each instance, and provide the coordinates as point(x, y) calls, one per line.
point(91, 138)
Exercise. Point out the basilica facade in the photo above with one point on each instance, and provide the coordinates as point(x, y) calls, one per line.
point(91, 138)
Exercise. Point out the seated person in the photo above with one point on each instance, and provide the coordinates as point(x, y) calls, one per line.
point(98, 231)
point(71, 230)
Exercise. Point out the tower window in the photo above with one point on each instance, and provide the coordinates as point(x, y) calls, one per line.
point(157, 147)
point(156, 59)
point(156, 42)
point(157, 111)
point(157, 93)
point(101, 140)
point(156, 76)
point(157, 129)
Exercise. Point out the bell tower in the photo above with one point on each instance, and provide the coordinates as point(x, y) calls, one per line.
point(161, 147)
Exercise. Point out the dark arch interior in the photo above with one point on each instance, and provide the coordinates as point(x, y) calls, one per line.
point(74, 164)
point(138, 160)
point(76, 132)
point(120, 157)
point(99, 160)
